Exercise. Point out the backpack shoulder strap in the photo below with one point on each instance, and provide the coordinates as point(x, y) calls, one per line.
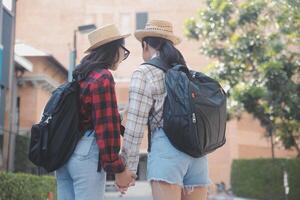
point(157, 62)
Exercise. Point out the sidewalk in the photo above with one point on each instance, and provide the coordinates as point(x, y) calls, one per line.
point(142, 191)
point(224, 197)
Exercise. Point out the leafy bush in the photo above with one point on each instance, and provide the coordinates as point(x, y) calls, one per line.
point(24, 186)
point(263, 178)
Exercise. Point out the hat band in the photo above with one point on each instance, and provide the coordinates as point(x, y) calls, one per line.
point(165, 26)
point(157, 29)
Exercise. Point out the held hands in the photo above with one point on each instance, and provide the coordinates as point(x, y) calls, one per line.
point(124, 180)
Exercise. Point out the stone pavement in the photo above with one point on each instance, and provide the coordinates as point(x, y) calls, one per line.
point(142, 191)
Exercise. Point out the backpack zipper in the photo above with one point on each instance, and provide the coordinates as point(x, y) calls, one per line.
point(194, 118)
point(192, 97)
point(48, 119)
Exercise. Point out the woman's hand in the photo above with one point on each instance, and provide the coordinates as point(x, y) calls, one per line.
point(124, 180)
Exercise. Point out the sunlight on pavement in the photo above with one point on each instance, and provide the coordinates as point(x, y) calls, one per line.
point(141, 191)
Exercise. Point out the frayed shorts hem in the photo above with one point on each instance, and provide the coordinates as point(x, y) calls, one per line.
point(181, 185)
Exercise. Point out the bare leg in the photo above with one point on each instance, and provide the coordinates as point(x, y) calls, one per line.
point(165, 191)
point(198, 193)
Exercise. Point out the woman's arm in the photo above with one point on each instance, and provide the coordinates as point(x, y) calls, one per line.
point(140, 103)
point(106, 120)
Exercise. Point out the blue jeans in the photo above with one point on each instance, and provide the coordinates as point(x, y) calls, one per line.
point(78, 179)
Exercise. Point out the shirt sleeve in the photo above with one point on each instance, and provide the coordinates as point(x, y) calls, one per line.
point(106, 120)
point(140, 103)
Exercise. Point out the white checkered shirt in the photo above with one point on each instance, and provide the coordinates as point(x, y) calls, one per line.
point(146, 93)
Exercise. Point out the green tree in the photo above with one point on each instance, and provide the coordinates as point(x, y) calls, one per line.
point(255, 45)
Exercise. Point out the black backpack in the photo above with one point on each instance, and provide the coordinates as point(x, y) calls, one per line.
point(194, 110)
point(54, 138)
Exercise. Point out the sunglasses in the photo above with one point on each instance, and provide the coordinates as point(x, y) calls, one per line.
point(126, 53)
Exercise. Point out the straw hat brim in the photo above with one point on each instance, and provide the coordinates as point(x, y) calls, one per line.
point(105, 41)
point(140, 34)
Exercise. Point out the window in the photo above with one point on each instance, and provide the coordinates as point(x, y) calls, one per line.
point(6, 42)
point(8, 4)
point(141, 20)
point(18, 112)
point(1, 58)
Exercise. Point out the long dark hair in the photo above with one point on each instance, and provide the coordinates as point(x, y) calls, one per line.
point(105, 56)
point(167, 52)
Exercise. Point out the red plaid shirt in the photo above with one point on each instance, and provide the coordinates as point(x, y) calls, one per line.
point(99, 111)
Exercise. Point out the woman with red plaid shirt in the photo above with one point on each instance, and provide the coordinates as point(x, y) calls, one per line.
point(97, 153)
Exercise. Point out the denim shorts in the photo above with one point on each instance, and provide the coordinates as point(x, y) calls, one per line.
point(167, 164)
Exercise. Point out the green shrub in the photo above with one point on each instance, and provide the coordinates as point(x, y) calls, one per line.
point(22, 163)
point(24, 186)
point(263, 178)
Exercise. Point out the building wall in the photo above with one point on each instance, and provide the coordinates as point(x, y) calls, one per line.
point(34, 96)
point(122, 89)
point(55, 20)
point(28, 102)
point(43, 66)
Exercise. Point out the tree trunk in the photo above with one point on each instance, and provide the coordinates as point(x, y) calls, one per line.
point(272, 146)
point(296, 145)
point(298, 149)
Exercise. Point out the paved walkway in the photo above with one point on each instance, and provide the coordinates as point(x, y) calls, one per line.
point(142, 191)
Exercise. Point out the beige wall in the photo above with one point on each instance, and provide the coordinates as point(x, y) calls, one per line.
point(53, 22)
point(33, 97)
point(28, 102)
point(122, 92)
point(43, 66)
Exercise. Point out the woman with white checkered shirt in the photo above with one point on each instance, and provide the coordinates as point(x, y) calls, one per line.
point(173, 174)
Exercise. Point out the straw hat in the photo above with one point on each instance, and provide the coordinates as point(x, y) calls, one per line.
point(158, 28)
point(104, 35)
